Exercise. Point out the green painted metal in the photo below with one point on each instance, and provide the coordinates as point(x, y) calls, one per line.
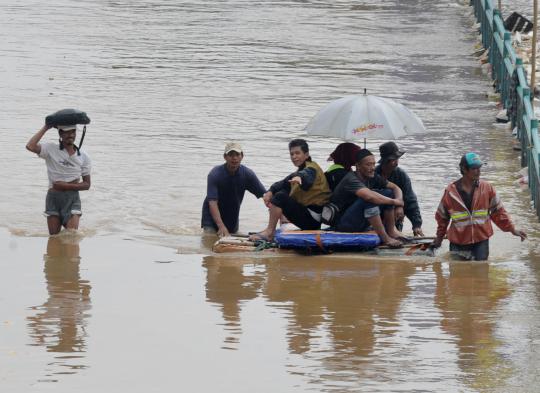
point(511, 82)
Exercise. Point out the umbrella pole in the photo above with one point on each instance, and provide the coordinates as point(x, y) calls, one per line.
point(364, 143)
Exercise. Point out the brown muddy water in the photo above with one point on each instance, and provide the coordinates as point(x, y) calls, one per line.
point(137, 302)
point(108, 314)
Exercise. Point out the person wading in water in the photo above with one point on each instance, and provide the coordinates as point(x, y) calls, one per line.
point(66, 166)
point(469, 205)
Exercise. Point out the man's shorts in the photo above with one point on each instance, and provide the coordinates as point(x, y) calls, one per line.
point(63, 204)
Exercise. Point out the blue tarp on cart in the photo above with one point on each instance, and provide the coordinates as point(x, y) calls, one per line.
point(326, 239)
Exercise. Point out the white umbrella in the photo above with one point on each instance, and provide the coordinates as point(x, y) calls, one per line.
point(363, 116)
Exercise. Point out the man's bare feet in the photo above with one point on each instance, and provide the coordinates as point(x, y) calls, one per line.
point(392, 243)
point(395, 233)
point(399, 236)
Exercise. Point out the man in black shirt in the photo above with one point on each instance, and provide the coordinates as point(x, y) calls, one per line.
point(388, 168)
point(363, 197)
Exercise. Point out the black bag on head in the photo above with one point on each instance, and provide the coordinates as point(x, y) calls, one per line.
point(67, 117)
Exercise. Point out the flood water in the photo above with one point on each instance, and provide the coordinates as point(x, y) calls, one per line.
point(137, 301)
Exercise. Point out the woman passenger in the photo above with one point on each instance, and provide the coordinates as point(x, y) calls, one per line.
point(344, 157)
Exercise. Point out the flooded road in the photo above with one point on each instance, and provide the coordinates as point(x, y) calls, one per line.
point(109, 314)
point(137, 302)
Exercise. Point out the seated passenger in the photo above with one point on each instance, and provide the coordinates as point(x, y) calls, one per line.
point(344, 157)
point(389, 170)
point(300, 196)
point(363, 197)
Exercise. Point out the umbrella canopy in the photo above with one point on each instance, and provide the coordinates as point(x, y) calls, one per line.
point(364, 116)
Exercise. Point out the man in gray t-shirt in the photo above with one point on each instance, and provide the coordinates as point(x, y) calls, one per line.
point(363, 198)
point(68, 169)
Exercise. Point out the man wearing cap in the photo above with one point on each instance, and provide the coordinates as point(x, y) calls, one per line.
point(389, 170)
point(365, 200)
point(226, 186)
point(469, 205)
point(68, 170)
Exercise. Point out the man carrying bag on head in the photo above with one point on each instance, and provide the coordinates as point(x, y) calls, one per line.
point(68, 170)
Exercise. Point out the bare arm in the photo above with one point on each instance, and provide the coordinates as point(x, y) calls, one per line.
point(74, 185)
point(399, 211)
point(374, 197)
point(267, 197)
point(33, 143)
point(216, 216)
point(520, 233)
point(398, 194)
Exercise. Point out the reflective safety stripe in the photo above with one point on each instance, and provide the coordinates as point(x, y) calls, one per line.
point(479, 221)
point(465, 223)
point(480, 213)
point(459, 215)
point(461, 224)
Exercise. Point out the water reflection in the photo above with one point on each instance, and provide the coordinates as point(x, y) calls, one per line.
point(59, 324)
point(348, 320)
point(229, 282)
point(468, 295)
point(339, 310)
point(335, 309)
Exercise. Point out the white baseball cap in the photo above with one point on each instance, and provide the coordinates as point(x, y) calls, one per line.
point(68, 128)
point(233, 146)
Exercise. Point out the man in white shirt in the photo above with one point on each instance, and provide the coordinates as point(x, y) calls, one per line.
point(66, 166)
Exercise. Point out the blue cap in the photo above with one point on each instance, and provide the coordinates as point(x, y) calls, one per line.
point(471, 161)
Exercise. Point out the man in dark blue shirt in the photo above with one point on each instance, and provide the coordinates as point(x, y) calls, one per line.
point(226, 186)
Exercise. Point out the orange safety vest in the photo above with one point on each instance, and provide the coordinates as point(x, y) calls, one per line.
point(467, 227)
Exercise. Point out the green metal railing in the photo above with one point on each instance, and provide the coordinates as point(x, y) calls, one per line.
point(511, 82)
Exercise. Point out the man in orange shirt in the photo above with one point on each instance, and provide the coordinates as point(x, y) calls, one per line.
point(469, 205)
